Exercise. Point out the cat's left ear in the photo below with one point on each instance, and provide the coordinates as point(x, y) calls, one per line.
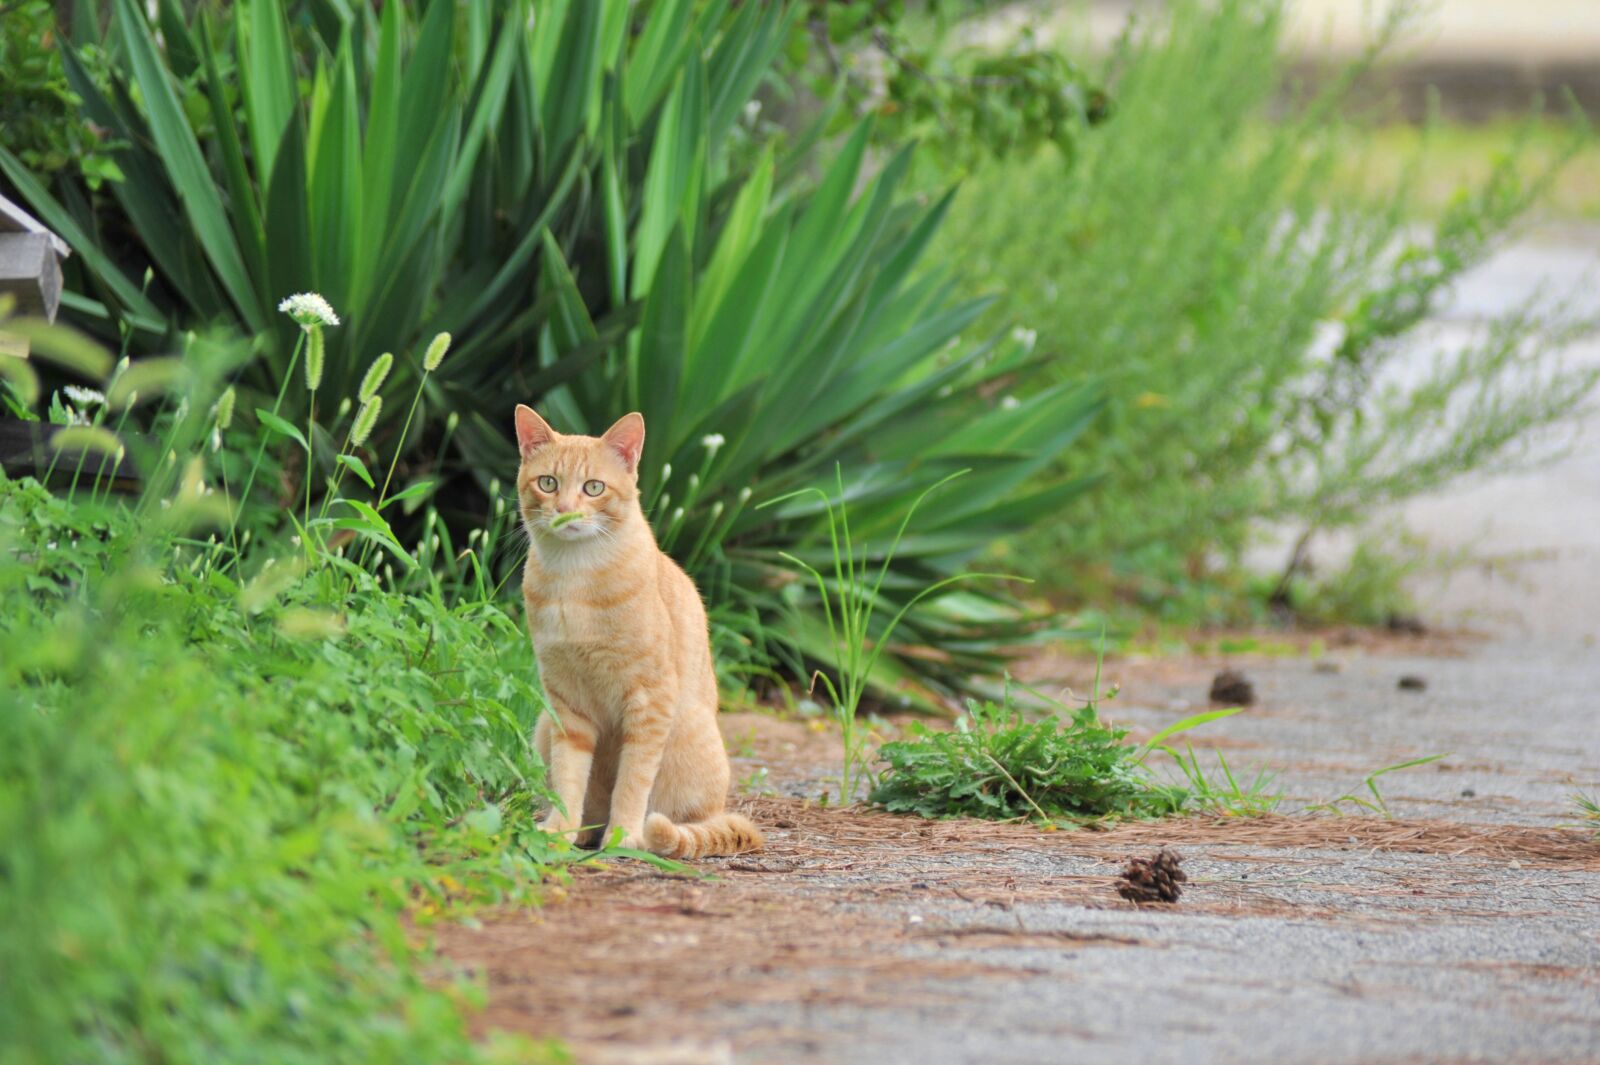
point(627, 439)
point(533, 432)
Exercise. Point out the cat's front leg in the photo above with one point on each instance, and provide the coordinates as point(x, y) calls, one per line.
point(646, 724)
point(571, 756)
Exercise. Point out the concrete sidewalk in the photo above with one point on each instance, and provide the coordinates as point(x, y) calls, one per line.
point(1529, 32)
point(1484, 57)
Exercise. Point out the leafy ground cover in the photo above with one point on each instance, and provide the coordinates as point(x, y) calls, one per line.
point(236, 785)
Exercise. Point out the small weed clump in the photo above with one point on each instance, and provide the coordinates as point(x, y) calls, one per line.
point(996, 764)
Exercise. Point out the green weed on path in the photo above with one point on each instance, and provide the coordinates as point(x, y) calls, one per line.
point(1589, 809)
point(1069, 765)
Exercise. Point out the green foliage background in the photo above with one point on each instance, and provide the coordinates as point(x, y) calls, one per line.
point(580, 195)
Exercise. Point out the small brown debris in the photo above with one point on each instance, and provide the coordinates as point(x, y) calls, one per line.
point(1153, 879)
point(1231, 686)
point(1325, 666)
point(1405, 625)
point(1412, 683)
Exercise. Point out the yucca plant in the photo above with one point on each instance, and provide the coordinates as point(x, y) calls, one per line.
point(404, 161)
point(794, 334)
point(579, 193)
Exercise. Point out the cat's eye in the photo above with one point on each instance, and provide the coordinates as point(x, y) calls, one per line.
point(547, 483)
point(593, 488)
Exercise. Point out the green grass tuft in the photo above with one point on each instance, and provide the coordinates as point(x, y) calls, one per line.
point(997, 764)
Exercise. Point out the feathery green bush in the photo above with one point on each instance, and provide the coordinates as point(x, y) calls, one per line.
point(1256, 329)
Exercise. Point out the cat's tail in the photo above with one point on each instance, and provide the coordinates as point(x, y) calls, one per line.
point(723, 833)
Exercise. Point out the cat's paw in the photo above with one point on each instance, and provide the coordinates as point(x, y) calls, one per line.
point(555, 824)
point(633, 841)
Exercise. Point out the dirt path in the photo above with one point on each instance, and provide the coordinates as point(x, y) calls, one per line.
point(1466, 929)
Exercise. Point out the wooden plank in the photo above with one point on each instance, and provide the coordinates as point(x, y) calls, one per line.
point(25, 450)
point(30, 271)
point(14, 219)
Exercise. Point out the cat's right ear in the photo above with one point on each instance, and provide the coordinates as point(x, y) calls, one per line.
point(533, 432)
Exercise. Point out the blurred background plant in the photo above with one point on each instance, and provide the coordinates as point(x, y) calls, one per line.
point(905, 64)
point(1250, 319)
point(42, 120)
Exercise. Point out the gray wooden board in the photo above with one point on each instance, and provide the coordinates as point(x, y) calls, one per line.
point(30, 271)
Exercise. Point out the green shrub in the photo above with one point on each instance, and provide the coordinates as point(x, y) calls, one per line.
point(409, 165)
point(41, 118)
point(963, 104)
point(1246, 316)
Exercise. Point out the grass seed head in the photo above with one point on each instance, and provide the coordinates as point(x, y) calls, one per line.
point(316, 356)
point(366, 419)
point(309, 309)
point(375, 375)
point(436, 352)
point(223, 411)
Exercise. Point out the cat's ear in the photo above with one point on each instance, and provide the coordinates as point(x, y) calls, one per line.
point(533, 432)
point(627, 439)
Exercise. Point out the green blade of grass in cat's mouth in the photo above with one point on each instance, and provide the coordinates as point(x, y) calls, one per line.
point(564, 519)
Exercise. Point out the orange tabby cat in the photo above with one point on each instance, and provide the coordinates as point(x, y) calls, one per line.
point(620, 634)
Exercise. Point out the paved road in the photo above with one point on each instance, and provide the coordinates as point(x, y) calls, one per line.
point(1484, 58)
point(1375, 956)
point(1545, 521)
point(1526, 33)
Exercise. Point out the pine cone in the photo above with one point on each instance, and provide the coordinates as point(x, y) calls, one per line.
point(1231, 686)
point(1153, 879)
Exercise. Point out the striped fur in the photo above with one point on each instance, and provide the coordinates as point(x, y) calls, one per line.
point(725, 833)
point(620, 635)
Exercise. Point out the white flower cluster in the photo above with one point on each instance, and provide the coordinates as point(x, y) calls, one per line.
point(309, 309)
point(1025, 337)
point(85, 397)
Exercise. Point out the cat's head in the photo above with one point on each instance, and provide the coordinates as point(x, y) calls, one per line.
point(594, 478)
